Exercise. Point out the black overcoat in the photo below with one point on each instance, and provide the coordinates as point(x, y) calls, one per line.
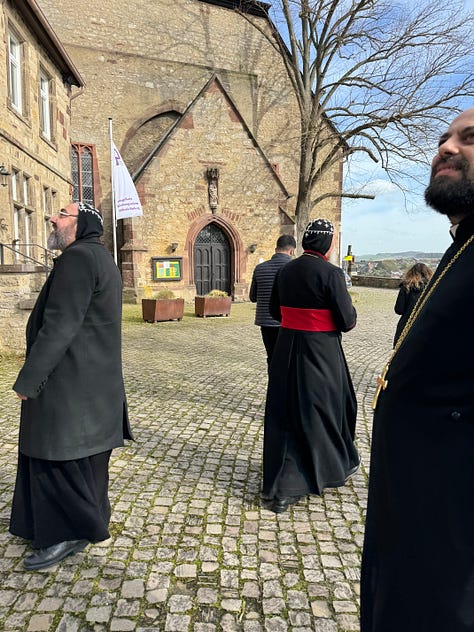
point(72, 374)
point(311, 406)
point(406, 301)
point(418, 559)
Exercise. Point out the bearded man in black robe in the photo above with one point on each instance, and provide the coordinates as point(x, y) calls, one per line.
point(418, 557)
point(74, 408)
point(310, 412)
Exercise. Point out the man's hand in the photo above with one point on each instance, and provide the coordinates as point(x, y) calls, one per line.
point(23, 397)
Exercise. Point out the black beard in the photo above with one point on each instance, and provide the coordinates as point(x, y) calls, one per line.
point(451, 198)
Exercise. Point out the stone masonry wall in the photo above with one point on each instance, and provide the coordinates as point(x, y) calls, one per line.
point(380, 282)
point(45, 163)
point(19, 286)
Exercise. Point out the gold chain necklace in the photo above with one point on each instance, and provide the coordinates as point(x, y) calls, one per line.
point(382, 383)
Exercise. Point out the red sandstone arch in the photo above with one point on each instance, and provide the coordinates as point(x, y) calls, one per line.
point(169, 107)
point(232, 234)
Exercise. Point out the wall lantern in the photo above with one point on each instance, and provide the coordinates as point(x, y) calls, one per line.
point(174, 246)
point(252, 248)
point(4, 173)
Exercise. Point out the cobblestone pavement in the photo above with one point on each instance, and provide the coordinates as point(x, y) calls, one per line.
point(191, 549)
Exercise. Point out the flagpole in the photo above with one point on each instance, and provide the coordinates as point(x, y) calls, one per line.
point(114, 215)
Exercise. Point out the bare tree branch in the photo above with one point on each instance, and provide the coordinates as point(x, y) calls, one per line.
point(371, 77)
point(353, 196)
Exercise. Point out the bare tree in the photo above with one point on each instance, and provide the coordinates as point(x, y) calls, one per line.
point(371, 77)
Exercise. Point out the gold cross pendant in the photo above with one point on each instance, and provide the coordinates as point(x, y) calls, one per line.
point(382, 384)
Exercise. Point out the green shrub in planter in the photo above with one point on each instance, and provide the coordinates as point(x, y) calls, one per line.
point(215, 303)
point(163, 307)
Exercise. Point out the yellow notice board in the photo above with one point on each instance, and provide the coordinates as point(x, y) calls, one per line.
point(167, 269)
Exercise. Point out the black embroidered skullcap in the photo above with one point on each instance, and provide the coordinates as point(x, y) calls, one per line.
point(318, 235)
point(89, 221)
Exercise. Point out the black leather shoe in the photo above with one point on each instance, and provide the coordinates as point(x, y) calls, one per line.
point(52, 555)
point(281, 504)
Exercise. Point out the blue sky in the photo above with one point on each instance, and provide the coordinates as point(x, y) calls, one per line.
point(391, 222)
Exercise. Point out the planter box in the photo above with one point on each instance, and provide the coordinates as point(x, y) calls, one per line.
point(212, 305)
point(156, 310)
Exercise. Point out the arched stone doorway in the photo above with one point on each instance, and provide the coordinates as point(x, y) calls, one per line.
point(212, 260)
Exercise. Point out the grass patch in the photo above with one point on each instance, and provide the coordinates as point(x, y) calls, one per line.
point(131, 313)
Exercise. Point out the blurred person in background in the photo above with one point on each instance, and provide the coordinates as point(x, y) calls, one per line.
point(414, 282)
point(261, 289)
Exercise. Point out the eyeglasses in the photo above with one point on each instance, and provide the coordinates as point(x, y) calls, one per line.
point(64, 213)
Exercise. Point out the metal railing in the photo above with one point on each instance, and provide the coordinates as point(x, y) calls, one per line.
point(26, 253)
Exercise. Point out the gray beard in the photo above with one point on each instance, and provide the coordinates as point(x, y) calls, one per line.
point(56, 241)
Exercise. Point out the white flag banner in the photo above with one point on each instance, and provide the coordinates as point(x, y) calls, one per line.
point(127, 202)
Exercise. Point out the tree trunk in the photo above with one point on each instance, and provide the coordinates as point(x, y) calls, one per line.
point(303, 216)
point(303, 203)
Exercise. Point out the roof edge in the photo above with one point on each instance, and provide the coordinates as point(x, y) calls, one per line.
point(252, 7)
point(39, 25)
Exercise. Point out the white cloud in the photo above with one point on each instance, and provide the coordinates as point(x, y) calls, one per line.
point(395, 221)
point(384, 225)
point(378, 187)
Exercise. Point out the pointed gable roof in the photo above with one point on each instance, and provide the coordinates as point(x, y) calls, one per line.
point(214, 81)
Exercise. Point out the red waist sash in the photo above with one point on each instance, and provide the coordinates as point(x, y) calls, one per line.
point(307, 319)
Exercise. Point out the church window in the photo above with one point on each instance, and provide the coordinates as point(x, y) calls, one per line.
point(82, 163)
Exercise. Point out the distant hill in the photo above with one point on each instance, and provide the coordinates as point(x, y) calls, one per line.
point(392, 264)
point(411, 254)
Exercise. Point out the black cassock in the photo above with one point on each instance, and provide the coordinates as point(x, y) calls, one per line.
point(311, 407)
point(418, 558)
point(56, 501)
point(76, 410)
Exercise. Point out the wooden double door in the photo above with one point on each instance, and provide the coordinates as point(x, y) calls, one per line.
point(212, 260)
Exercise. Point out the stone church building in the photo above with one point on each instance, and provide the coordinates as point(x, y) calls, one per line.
point(204, 117)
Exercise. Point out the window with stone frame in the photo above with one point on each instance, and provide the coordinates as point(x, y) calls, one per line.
point(23, 213)
point(46, 101)
point(49, 209)
point(83, 169)
point(16, 79)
